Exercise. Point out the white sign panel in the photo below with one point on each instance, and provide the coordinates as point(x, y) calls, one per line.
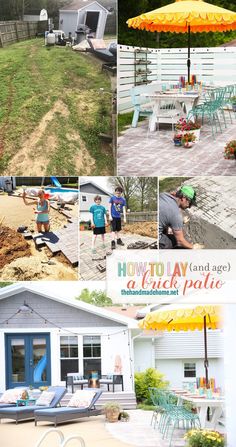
point(168, 275)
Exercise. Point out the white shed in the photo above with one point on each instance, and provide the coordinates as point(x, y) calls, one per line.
point(83, 12)
point(4, 181)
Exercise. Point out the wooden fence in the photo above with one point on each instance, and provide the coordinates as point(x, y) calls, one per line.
point(141, 216)
point(11, 32)
point(167, 65)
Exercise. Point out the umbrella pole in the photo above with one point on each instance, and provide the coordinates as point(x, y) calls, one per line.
point(206, 360)
point(189, 60)
point(205, 352)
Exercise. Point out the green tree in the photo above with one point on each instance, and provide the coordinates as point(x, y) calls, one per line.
point(4, 284)
point(128, 184)
point(147, 189)
point(96, 297)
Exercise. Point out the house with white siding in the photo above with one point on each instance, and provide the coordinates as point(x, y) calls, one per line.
point(88, 190)
point(180, 356)
point(44, 336)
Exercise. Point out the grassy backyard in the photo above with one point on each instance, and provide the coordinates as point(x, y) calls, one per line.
point(52, 111)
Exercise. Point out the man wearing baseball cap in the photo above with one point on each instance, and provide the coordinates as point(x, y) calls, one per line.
point(171, 233)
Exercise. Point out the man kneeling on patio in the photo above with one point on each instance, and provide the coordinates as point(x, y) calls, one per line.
point(171, 234)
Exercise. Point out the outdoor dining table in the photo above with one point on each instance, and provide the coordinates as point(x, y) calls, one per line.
point(183, 102)
point(202, 403)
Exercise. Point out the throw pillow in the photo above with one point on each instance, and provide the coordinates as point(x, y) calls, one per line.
point(45, 398)
point(11, 396)
point(81, 399)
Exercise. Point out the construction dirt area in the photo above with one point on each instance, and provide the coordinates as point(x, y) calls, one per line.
point(141, 228)
point(29, 256)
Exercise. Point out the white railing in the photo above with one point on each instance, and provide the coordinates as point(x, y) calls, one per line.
point(211, 65)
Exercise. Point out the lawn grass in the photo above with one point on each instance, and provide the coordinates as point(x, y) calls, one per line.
point(125, 120)
point(33, 79)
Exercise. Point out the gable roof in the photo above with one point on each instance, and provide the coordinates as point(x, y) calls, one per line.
point(81, 4)
point(14, 289)
point(99, 188)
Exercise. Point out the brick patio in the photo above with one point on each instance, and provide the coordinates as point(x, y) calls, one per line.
point(139, 432)
point(92, 266)
point(141, 152)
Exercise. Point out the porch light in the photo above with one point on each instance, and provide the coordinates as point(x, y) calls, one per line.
point(25, 309)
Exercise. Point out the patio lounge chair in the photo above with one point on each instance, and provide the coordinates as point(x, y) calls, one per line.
point(65, 414)
point(99, 49)
point(112, 379)
point(27, 412)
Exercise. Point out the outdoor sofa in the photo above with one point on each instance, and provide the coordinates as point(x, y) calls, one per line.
point(66, 414)
point(27, 412)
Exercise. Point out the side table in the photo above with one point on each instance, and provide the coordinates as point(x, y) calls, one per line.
point(25, 402)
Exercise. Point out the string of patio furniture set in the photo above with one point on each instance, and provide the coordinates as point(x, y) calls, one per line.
point(214, 101)
point(167, 415)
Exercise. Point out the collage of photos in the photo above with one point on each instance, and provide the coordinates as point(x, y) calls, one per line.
point(117, 223)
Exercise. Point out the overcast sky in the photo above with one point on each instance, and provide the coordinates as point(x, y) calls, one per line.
point(100, 181)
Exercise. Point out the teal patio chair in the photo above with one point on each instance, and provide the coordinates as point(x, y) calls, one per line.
point(210, 109)
point(154, 396)
point(175, 415)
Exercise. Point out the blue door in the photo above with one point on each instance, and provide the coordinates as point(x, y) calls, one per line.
point(28, 360)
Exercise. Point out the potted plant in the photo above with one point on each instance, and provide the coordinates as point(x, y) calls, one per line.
point(230, 150)
point(204, 438)
point(233, 101)
point(183, 126)
point(188, 139)
point(177, 139)
point(123, 416)
point(112, 411)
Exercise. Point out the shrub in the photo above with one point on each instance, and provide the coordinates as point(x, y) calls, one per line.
point(148, 379)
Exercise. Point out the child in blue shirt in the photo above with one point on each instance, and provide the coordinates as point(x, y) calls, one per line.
point(98, 221)
point(117, 206)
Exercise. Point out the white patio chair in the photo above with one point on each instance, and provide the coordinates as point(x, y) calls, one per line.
point(166, 110)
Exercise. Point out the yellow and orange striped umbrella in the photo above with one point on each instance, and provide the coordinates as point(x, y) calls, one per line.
point(185, 16)
point(185, 317)
point(176, 17)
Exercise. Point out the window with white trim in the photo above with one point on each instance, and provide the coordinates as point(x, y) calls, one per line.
point(189, 369)
point(69, 355)
point(92, 355)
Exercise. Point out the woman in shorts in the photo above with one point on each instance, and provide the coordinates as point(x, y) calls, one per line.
point(41, 211)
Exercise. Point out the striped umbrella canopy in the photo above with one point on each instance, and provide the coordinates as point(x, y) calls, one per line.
point(185, 16)
point(185, 317)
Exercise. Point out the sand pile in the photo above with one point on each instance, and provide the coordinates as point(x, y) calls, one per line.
point(12, 246)
point(34, 269)
point(142, 228)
